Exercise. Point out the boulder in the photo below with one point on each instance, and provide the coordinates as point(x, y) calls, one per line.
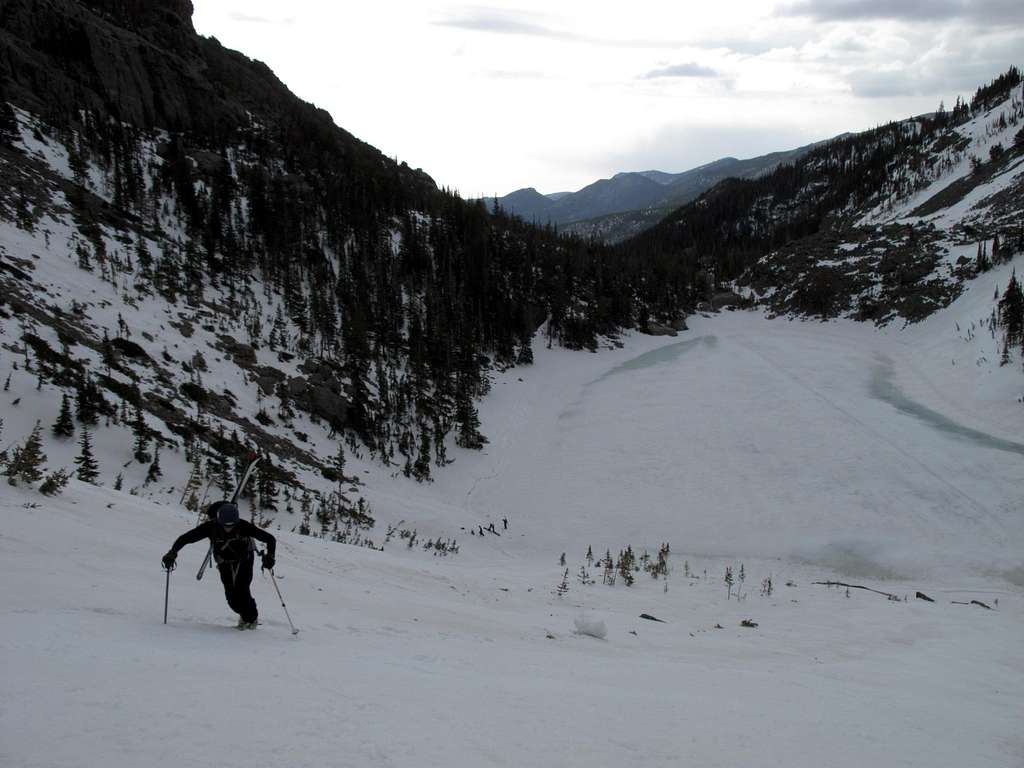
point(329, 406)
point(129, 349)
point(267, 384)
point(243, 354)
point(657, 329)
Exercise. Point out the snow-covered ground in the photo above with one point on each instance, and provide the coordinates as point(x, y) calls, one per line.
point(804, 451)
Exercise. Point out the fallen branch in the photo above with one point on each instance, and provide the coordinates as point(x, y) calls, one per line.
point(923, 596)
point(973, 602)
point(856, 586)
point(651, 618)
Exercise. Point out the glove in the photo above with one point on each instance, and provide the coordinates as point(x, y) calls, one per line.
point(170, 559)
point(267, 563)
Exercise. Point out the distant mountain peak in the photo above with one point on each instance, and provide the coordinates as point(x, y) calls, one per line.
point(644, 196)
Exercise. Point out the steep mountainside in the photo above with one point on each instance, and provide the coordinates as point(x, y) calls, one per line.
point(192, 254)
point(883, 224)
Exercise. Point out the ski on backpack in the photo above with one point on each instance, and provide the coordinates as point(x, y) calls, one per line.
point(234, 499)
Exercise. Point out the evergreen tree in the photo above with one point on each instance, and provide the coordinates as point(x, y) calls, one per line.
point(84, 257)
point(626, 566)
point(85, 401)
point(265, 484)
point(154, 473)
point(981, 261)
point(141, 432)
point(26, 463)
point(222, 471)
point(64, 426)
point(8, 123)
point(54, 482)
point(339, 465)
point(563, 586)
point(88, 469)
point(421, 467)
point(467, 418)
point(1011, 313)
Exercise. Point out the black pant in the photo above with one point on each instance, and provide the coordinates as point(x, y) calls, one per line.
point(236, 578)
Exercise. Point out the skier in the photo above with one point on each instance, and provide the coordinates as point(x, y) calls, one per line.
point(233, 548)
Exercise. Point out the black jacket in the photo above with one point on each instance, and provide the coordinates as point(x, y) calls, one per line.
point(228, 547)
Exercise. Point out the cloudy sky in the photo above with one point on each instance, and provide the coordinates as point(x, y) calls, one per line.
point(555, 94)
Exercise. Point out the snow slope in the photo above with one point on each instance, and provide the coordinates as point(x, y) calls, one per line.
point(805, 452)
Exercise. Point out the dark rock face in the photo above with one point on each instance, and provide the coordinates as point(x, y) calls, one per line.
point(143, 13)
point(129, 349)
point(329, 405)
point(141, 62)
point(111, 56)
point(243, 354)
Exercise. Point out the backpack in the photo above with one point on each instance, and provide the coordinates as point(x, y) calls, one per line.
point(228, 548)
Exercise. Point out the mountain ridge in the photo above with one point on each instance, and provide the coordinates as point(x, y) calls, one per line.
point(634, 199)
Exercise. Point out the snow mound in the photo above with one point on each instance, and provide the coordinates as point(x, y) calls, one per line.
point(591, 626)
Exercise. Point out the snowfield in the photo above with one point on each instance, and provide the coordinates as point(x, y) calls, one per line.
point(806, 452)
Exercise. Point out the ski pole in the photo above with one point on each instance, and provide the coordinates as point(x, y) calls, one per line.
point(273, 579)
point(167, 593)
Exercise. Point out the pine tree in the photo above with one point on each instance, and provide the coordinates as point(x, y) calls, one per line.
point(626, 565)
point(26, 463)
point(84, 258)
point(421, 468)
point(467, 417)
point(222, 471)
point(440, 450)
point(728, 582)
point(154, 473)
point(85, 402)
point(88, 469)
point(54, 482)
point(64, 426)
point(8, 123)
point(141, 433)
point(563, 586)
point(608, 576)
point(339, 465)
point(1011, 313)
point(265, 485)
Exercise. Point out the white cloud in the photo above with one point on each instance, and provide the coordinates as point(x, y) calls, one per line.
point(491, 98)
point(691, 69)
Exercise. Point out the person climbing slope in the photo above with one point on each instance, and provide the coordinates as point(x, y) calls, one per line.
point(234, 552)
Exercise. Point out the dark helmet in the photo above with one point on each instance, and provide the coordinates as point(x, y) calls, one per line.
point(224, 512)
